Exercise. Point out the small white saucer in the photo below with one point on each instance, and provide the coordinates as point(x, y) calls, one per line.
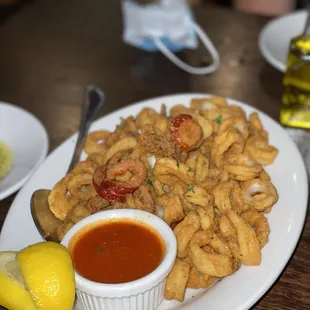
point(28, 140)
point(275, 37)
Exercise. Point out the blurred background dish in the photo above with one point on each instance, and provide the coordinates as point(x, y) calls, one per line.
point(27, 140)
point(275, 37)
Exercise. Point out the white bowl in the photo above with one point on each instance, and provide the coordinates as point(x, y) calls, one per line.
point(28, 141)
point(143, 294)
point(276, 35)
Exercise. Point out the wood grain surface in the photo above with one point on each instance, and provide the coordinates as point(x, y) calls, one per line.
point(51, 49)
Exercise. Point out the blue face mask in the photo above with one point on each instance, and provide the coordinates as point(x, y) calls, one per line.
point(166, 26)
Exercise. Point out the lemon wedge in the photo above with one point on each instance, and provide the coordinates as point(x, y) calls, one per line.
point(39, 277)
point(14, 294)
point(48, 272)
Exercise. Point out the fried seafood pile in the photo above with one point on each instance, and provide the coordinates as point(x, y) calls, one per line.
point(200, 168)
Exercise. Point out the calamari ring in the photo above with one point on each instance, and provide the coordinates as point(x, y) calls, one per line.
point(211, 103)
point(260, 223)
point(242, 159)
point(229, 233)
point(149, 116)
point(78, 213)
point(128, 143)
point(146, 117)
point(207, 217)
point(96, 204)
point(227, 196)
point(95, 142)
point(206, 125)
point(59, 200)
point(259, 194)
point(237, 122)
point(264, 175)
point(169, 171)
point(243, 173)
point(218, 173)
point(256, 126)
point(229, 141)
point(96, 158)
point(84, 167)
point(81, 186)
point(249, 246)
point(198, 279)
point(180, 109)
point(172, 208)
point(218, 264)
point(260, 151)
point(141, 199)
point(218, 115)
point(198, 196)
point(184, 232)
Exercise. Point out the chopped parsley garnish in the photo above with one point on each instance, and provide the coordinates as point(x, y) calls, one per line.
point(99, 249)
point(178, 164)
point(148, 181)
point(198, 273)
point(189, 196)
point(190, 169)
point(218, 120)
point(191, 188)
point(125, 157)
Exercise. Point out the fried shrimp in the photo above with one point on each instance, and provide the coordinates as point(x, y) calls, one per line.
point(185, 132)
point(128, 172)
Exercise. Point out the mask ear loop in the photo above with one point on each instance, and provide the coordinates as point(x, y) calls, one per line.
point(190, 69)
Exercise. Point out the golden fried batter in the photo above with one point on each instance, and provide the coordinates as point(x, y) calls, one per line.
point(199, 167)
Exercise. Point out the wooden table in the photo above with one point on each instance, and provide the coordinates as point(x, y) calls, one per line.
point(53, 48)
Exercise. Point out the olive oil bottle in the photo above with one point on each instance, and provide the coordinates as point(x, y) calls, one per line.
point(295, 111)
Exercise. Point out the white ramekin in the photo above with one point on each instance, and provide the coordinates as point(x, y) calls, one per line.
point(142, 294)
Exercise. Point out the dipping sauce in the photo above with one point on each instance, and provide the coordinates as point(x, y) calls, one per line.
point(117, 251)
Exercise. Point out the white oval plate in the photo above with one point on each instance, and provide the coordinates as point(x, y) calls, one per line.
point(27, 138)
point(276, 35)
point(239, 291)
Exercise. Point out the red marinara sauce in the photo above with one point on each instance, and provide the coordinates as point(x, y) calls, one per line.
point(117, 251)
